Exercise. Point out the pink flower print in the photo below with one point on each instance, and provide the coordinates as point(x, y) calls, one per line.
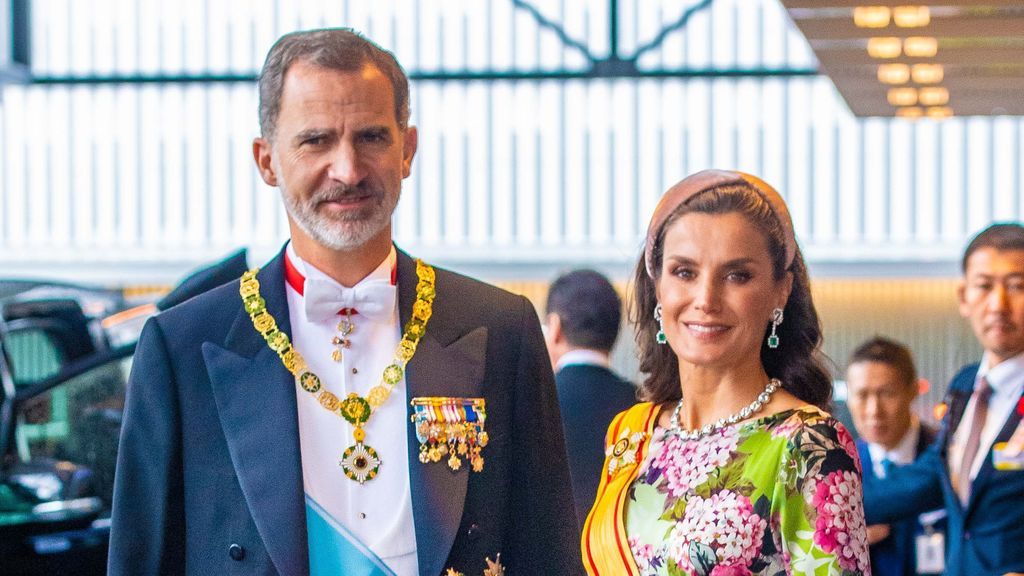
point(644, 554)
point(846, 441)
point(657, 445)
point(725, 522)
point(787, 429)
point(839, 528)
point(688, 463)
point(730, 570)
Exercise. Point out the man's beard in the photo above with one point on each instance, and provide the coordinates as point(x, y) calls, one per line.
point(351, 230)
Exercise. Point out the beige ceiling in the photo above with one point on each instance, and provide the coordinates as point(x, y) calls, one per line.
point(980, 45)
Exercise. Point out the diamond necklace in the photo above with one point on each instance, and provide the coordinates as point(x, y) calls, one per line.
point(743, 414)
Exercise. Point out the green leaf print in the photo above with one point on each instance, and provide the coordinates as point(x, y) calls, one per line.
point(673, 569)
point(649, 503)
point(703, 558)
point(762, 471)
point(730, 477)
point(676, 511)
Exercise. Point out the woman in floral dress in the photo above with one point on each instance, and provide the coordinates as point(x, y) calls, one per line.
point(731, 467)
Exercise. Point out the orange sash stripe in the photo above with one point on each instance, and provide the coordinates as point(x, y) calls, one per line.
point(604, 544)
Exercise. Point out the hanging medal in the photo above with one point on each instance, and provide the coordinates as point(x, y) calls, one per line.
point(359, 461)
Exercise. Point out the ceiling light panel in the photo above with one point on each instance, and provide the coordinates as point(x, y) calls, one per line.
point(871, 16)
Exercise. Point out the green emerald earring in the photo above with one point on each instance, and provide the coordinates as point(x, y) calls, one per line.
point(660, 336)
point(773, 338)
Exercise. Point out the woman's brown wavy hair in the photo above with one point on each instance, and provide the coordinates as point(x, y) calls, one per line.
point(798, 362)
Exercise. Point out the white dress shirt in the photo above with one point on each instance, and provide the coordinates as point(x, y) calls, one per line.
point(1007, 382)
point(378, 512)
point(583, 356)
point(903, 453)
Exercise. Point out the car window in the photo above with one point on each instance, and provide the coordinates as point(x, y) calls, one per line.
point(33, 356)
point(78, 422)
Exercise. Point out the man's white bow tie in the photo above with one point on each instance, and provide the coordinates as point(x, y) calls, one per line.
point(373, 299)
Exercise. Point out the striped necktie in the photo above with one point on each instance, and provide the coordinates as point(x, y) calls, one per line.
point(982, 393)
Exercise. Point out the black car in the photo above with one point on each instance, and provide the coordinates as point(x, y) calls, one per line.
point(65, 355)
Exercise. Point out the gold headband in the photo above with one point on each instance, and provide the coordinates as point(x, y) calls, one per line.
point(704, 180)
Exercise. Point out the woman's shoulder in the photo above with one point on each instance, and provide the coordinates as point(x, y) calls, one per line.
point(811, 429)
point(796, 420)
point(639, 417)
point(640, 410)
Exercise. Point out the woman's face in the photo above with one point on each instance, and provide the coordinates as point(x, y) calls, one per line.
point(717, 289)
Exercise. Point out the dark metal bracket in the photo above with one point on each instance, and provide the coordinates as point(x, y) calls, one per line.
point(614, 66)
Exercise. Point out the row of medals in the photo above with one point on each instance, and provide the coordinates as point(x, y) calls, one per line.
point(452, 439)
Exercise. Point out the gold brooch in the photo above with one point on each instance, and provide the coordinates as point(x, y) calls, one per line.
point(622, 452)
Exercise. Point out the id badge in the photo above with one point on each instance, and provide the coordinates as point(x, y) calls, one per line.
point(1005, 457)
point(931, 553)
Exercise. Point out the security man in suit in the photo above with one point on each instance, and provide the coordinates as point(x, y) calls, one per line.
point(976, 466)
point(882, 384)
point(583, 317)
point(346, 409)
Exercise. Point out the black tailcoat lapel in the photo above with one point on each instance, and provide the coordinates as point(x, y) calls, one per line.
point(449, 361)
point(255, 398)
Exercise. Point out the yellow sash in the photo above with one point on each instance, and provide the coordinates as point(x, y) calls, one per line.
point(604, 545)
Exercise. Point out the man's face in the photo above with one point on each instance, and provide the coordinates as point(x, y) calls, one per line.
point(879, 402)
point(338, 155)
point(992, 298)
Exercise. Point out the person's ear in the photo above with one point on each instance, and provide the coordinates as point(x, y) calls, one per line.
point(553, 328)
point(410, 140)
point(961, 299)
point(263, 154)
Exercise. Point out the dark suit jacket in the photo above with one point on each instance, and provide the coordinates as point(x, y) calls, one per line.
point(209, 456)
point(589, 396)
point(896, 555)
point(982, 538)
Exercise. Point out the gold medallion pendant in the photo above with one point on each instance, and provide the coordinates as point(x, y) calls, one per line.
point(359, 462)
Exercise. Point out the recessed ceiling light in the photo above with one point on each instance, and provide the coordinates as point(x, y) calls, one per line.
point(911, 16)
point(920, 46)
point(893, 73)
point(871, 16)
point(909, 112)
point(884, 47)
point(927, 73)
point(905, 96)
point(933, 96)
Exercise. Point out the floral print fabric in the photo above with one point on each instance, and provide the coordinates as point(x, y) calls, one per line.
point(777, 496)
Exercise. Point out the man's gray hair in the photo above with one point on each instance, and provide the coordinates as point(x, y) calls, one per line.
point(341, 49)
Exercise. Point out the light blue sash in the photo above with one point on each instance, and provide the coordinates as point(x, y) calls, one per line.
point(334, 550)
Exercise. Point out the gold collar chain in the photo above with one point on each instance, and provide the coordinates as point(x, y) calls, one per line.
point(360, 462)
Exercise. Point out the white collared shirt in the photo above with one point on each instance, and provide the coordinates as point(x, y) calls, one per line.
point(1007, 382)
point(583, 356)
point(378, 512)
point(904, 453)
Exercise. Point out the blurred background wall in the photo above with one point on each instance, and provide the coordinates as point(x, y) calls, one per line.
point(547, 129)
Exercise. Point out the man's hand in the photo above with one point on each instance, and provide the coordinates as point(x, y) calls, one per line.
point(877, 533)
